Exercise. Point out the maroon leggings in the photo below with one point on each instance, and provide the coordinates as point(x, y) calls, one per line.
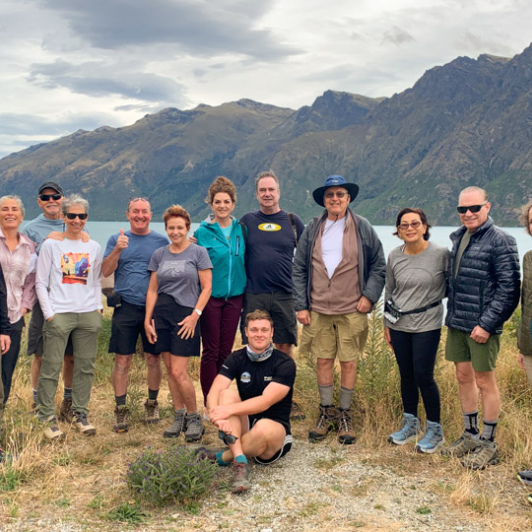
point(219, 322)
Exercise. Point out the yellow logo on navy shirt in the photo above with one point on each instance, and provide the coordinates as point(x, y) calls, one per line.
point(269, 227)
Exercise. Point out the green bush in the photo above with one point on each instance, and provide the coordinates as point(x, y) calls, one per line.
point(176, 474)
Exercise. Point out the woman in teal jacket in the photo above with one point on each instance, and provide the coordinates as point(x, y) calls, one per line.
point(223, 237)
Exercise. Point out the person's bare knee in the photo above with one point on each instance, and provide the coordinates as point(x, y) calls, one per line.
point(465, 373)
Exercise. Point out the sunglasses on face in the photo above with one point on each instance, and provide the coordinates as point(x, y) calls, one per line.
point(404, 226)
point(48, 197)
point(337, 194)
point(74, 215)
point(472, 208)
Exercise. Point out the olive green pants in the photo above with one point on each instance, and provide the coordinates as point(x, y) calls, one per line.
point(84, 327)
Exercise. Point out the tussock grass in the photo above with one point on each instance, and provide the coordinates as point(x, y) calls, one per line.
point(83, 480)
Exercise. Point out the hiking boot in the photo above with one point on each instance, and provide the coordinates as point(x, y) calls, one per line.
point(327, 421)
point(52, 431)
point(346, 435)
point(485, 455)
point(82, 424)
point(432, 440)
point(240, 481)
point(194, 430)
point(65, 411)
point(465, 444)
point(408, 432)
point(152, 411)
point(525, 476)
point(297, 413)
point(121, 413)
point(177, 427)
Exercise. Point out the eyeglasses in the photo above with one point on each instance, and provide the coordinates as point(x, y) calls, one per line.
point(404, 226)
point(48, 197)
point(472, 208)
point(337, 194)
point(74, 215)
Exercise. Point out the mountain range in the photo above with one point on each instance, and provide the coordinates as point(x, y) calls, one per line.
point(468, 122)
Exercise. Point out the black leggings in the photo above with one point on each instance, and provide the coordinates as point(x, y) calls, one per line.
point(416, 355)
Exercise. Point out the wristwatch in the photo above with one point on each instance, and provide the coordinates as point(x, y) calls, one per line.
point(198, 311)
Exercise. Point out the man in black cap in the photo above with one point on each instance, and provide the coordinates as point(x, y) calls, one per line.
point(49, 221)
point(338, 276)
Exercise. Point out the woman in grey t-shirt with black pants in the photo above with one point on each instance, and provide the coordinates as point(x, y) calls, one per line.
point(416, 280)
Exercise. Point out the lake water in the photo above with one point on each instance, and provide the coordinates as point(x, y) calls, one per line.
point(101, 231)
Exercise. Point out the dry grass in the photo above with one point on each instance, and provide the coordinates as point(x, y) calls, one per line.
point(82, 480)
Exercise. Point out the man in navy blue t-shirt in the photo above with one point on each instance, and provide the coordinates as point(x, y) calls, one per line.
point(127, 255)
point(272, 236)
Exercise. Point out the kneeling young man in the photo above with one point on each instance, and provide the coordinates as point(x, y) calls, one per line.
point(258, 415)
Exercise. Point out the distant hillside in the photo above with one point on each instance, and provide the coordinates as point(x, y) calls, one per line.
point(467, 122)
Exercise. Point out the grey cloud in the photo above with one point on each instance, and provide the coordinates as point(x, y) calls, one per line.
point(205, 28)
point(397, 36)
point(96, 78)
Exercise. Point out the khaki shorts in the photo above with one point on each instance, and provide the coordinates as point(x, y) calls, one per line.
point(460, 347)
point(343, 336)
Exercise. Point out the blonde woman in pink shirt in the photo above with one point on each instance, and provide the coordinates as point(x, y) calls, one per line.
point(18, 260)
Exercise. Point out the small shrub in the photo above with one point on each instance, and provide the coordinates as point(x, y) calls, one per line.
point(173, 475)
point(10, 478)
point(128, 512)
point(424, 510)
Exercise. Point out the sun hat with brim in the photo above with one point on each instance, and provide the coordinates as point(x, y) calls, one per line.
point(335, 181)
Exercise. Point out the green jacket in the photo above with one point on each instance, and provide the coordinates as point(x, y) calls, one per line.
point(227, 257)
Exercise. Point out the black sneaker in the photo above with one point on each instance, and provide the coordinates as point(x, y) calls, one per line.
point(240, 481)
point(82, 424)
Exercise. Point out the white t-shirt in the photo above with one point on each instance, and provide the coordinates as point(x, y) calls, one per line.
point(331, 244)
point(69, 276)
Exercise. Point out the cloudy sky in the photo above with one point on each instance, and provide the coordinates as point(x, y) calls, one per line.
point(71, 64)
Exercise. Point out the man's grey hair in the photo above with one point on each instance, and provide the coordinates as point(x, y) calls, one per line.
point(74, 199)
point(17, 199)
point(475, 189)
point(267, 173)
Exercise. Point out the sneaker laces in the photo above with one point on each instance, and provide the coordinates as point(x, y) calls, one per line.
point(81, 417)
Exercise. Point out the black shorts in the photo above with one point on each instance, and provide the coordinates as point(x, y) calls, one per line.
point(280, 306)
point(287, 444)
point(127, 324)
point(167, 315)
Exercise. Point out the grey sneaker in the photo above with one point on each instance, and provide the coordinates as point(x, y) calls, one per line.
point(485, 455)
point(65, 411)
point(194, 430)
point(121, 413)
point(177, 427)
point(408, 432)
point(52, 431)
point(152, 411)
point(82, 424)
point(432, 440)
point(465, 444)
point(240, 481)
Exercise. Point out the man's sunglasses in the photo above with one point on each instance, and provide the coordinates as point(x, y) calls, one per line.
point(74, 215)
point(48, 197)
point(472, 208)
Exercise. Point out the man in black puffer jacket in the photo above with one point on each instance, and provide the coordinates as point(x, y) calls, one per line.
point(483, 292)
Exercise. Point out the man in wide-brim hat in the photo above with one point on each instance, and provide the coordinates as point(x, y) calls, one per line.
point(338, 276)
